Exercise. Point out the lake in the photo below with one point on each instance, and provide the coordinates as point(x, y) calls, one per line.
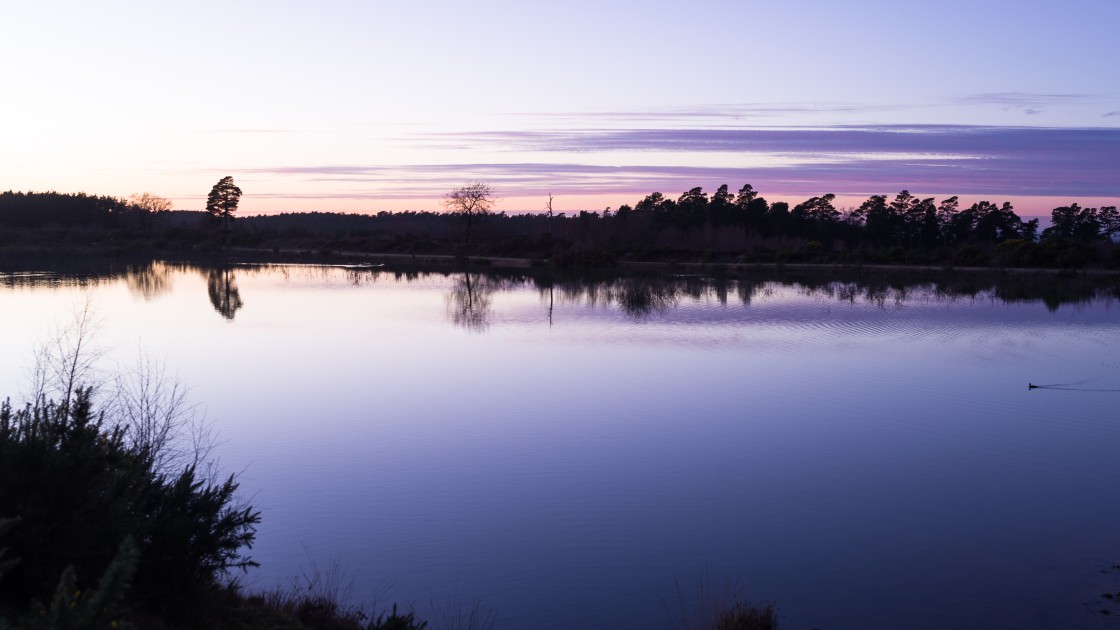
point(863, 451)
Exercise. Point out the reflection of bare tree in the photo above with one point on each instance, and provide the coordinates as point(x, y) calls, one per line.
point(641, 299)
point(469, 303)
point(222, 287)
point(545, 285)
point(149, 281)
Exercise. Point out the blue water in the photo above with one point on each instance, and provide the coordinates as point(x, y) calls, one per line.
point(864, 459)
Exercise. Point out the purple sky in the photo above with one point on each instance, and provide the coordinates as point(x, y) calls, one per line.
point(357, 106)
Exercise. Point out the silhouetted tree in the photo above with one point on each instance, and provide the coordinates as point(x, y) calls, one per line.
point(222, 201)
point(721, 208)
point(691, 209)
point(1074, 223)
point(1109, 221)
point(996, 223)
point(878, 220)
point(650, 203)
point(778, 217)
point(946, 210)
point(147, 202)
point(921, 222)
point(900, 211)
point(751, 209)
point(473, 198)
point(549, 207)
point(815, 216)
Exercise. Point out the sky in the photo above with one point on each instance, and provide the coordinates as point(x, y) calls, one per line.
point(368, 106)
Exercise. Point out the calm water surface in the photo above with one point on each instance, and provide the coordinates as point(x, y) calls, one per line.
point(866, 456)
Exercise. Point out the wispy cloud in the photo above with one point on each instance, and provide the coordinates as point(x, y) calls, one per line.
point(996, 161)
point(828, 112)
point(1031, 103)
point(1026, 99)
point(965, 141)
point(712, 112)
point(258, 131)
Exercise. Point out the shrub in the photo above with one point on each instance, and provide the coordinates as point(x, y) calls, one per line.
point(95, 609)
point(80, 489)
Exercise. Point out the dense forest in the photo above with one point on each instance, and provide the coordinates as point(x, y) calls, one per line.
point(721, 227)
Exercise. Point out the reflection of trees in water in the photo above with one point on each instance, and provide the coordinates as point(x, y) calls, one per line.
point(149, 281)
point(644, 299)
point(470, 302)
point(222, 287)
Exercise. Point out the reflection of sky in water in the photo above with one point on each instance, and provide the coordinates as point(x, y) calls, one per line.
point(868, 465)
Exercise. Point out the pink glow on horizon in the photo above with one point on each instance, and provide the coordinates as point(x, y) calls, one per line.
point(1024, 206)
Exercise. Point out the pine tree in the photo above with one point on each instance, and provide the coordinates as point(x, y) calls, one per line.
point(223, 199)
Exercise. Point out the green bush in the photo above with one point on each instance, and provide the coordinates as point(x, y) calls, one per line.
point(95, 609)
point(79, 490)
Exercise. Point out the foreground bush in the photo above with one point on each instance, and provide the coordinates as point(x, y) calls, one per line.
point(88, 505)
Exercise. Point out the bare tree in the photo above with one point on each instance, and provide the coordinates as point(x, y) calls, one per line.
point(473, 198)
point(148, 403)
point(149, 202)
point(549, 207)
point(67, 359)
point(160, 421)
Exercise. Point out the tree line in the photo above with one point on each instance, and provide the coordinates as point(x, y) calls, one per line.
point(40, 209)
point(906, 220)
point(744, 226)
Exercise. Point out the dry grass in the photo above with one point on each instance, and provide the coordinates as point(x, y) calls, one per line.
point(727, 608)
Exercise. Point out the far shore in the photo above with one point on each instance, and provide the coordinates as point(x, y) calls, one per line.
point(519, 263)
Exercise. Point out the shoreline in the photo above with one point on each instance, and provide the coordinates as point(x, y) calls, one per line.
point(521, 263)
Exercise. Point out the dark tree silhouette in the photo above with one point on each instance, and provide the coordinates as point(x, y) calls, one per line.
point(147, 202)
point(33, 210)
point(222, 201)
point(1109, 220)
point(474, 198)
point(742, 226)
point(721, 208)
point(1073, 223)
point(691, 209)
point(815, 216)
point(549, 206)
point(751, 209)
point(650, 203)
point(946, 211)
